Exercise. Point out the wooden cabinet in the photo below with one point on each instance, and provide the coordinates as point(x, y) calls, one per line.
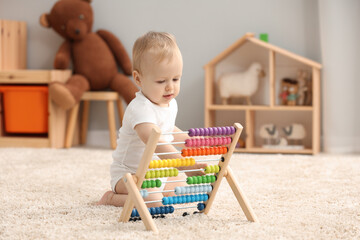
point(266, 106)
point(56, 118)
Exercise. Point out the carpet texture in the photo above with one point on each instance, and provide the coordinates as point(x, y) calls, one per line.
point(48, 194)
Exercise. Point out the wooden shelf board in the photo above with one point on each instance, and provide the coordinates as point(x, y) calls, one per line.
point(267, 150)
point(24, 142)
point(259, 107)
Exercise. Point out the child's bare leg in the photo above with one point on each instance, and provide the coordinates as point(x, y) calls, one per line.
point(118, 199)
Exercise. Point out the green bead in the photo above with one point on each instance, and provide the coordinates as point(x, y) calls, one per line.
point(199, 178)
point(207, 169)
point(166, 173)
point(203, 178)
point(158, 183)
point(153, 183)
point(189, 180)
point(148, 175)
point(213, 178)
point(144, 184)
point(208, 178)
point(195, 180)
point(162, 173)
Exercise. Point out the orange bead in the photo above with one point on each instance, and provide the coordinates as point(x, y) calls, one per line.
point(225, 149)
point(184, 153)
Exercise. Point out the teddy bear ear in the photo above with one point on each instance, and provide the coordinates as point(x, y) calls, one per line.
point(44, 20)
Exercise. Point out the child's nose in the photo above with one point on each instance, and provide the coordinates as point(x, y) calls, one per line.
point(169, 86)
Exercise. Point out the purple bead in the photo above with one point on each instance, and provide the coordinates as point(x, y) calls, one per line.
point(220, 132)
point(233, 130)
point(197, 132)
point(228, 130)
point(201, 132)
point(206, 132)
point(215, 130)
point(224, 130)
point(211, 131)
point(191, 132)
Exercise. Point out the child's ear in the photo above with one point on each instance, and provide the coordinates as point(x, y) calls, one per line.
point(136, 77)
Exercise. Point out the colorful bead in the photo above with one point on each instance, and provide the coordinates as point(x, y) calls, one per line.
point(158, 183)
point(191, 132)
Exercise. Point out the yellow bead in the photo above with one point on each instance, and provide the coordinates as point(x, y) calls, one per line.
point(152, 174)
point(192, 161)
point(166, 173)
point(217, 169)
point(162, 173)
point(148, 175)
point(176, 172)
point(178, 162)
point(165, 162)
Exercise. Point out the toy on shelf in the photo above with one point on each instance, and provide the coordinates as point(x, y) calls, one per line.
point(269, 133)
point(217, 141)
point(288, 92)
point(295, 133)
point(302, 82)
point(264, 37)
point(292, 136)
point(241, 84)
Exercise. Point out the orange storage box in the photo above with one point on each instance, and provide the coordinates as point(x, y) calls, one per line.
point(25, 108)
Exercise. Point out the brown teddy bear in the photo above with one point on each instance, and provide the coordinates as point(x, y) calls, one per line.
point(94, 55)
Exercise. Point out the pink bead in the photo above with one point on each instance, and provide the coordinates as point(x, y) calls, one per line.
point(228, 140)
point(207, 142)
point(211, 142)
point(188, 143)
point(220, 141)
point(216, 141)
point(198, 142)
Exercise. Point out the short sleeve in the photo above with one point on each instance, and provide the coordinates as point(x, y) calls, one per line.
point(141, 113)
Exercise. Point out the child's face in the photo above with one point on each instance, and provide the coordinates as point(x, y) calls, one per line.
point(160, 82)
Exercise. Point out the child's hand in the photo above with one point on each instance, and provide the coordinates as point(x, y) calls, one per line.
point(196, 166)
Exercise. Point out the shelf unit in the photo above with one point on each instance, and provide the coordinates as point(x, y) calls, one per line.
point(278, 63)
point(57, 116)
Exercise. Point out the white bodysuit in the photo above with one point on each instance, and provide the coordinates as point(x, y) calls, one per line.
point(130, 147)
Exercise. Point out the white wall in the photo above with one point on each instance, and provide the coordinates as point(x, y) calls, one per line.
point(203, 29)
point(340, 34)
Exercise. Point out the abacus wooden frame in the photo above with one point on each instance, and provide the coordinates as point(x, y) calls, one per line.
point(133, 183)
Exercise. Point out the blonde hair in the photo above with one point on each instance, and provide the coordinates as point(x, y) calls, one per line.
point(161, 43)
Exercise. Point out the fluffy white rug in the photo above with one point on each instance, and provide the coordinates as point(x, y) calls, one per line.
point(48, 194)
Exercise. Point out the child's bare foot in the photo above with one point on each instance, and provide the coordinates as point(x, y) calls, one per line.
point(106, 198)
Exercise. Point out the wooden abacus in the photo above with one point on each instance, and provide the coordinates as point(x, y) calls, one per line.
point(224, 146)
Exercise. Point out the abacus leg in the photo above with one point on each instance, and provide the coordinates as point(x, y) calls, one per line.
point(136, 198)
point(240, 196)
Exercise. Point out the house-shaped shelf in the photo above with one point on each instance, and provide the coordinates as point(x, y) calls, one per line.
point(278, 64)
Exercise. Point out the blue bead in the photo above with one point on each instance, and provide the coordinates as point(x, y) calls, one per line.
point(179, 199)
point(152, 211)
point(183, 199)
point(200, 206)
point(158, 210)
point(178, 190)
point(166, 208)
point(197, 198)
point(171, 200)
point(171, 209)
point(193, 198)
point(206, 197)
point(165, 201)
point(162, 210)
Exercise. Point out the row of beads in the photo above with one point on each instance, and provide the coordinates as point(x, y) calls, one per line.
point(199, 142)
point(185, 199)
point(212, 169)
point(211, 131)
point(183, 162)
point(193, 189)
point(163, 210)
point(203, 151)
point(201, 179)
point(154, 211)
point(171, 172)
point(184, 190)
point(189, 180)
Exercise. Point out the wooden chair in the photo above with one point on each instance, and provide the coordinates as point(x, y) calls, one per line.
point(109, 97)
